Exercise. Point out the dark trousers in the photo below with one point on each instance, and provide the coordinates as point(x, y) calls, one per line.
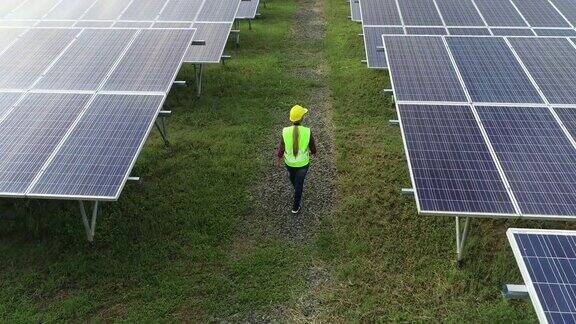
point(297, 177)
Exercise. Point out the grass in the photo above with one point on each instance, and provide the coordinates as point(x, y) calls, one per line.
point(176, 248)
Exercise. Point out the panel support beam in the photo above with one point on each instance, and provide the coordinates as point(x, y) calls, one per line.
point(394, 122)
point(515, 292)
point(181, 84)
point(236, 32)
point(89, 225)
point(408, 191)
point(198, 73)
point(461, 236)
point(161, 125)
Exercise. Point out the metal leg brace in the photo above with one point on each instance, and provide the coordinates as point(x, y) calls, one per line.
point(161, 126)
point(198, 72)
point(89, 226)
point(461, 239)
point(237, 28)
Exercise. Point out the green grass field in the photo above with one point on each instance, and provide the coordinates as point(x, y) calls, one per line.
point(176, 248)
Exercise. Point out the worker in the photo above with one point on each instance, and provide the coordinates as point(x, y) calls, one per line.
point(296, 145)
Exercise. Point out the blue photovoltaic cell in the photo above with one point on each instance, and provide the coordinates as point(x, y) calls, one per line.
point(421, 69)
point(568, 9)
point(23, 62)
point(375, 57)
point(568, 118)
point(469, 31)
point(355, 13)
point(452, 167)
point(419, 13)
point(181, 10)
point(555, 32)
point(95, 159)
point(500, 13)
point(7, 100)
point(215, 36)
point(490, 70)
point(143, 10)
point(218, 11)
point(380, 12)
point(425, 31)
point(30, 133)
point(540, 13)
point(152, 61)
point(87, 62)
point(459, 13)
point(536, 156)
point(550, 260)
point(552, 64)
point(512, 32)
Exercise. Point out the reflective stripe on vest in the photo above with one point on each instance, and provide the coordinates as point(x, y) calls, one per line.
point(303, 157)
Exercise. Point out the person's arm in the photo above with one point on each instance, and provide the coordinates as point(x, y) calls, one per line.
point(312, 145)
point(280, 152)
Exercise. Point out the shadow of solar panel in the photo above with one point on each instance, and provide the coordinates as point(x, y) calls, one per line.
point(152, 61)
point(380, 12)
point(459, 13)
point(23, 62)
point(426, 31)
point(106, 10)
point(30, 133)
point(500, 13)
point(568, 9)
point(552, 64)
point(375, 57)
point(86, 63)
point(181, 10)
point(218, 11)
point(549, 260)
point(97, 156)
point(490, 70)
point(421, 69)
point(69, 10)
point(452, 167)
point(215, 36)
point(419, 13)
point(143, 10)
point(540, 13)
point(536, 156)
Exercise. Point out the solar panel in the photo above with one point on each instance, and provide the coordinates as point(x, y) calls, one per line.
point(547, 261)
point(97, 156)
point(540, 13)
point(218, 11)
point(9, 35)
point(568, 118)
point(568, 9)
point(18, 23)
point(469, 31)
point(32, 9)
point(8, 5)
point(500, 13)
point(420, 13)
point(215, 35)
point(7, 100)
point(132, 24)
point(151, 62)
point(181, 10)
point(106, 10)
point(23, 62)
point(452, 168)
point(54, 23)
point(459, 13)
point(376, 58)
point(69, 9)
point(536, 156)
point(30, 133)
point(426, 31)
point(490, 70)
point(380, 12)
point(161, 24)
point(93, 24)
point(249, 8)
point(554, 32)
point(552, 64)
point(143, 10)
point(512, 32)
point(355, 12)
point(87, 62)
point(421, 69)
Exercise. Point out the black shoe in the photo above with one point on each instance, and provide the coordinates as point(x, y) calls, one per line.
point(296, 209)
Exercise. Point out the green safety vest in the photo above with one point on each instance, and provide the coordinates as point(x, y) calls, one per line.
point(303, 157)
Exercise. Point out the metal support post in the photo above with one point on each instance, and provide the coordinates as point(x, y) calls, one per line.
point(89, 226)
point(161, 125)
point(237, 31)
point(461, 239)
point(407, 191)
point(198, 72)
point(394, 122)
point(249, 24)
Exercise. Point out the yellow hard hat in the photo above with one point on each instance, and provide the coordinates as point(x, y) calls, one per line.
point(297, 112)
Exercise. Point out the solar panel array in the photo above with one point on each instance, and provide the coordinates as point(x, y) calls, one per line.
point(464, 17)
point(156, 14)
point(76, 106)
point(547, 262)
point(249, 9)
